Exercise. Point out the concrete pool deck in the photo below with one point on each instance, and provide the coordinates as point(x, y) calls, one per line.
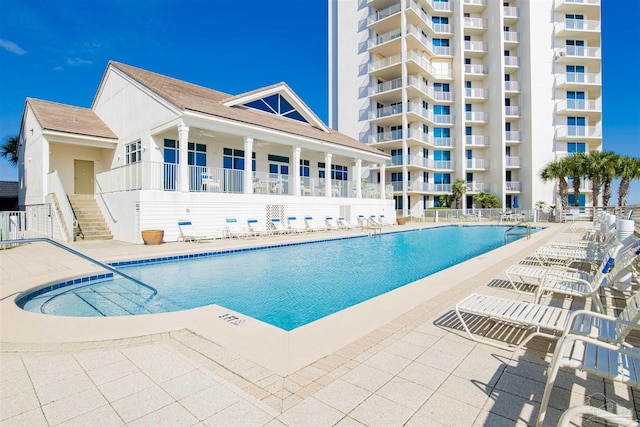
point(396, 359)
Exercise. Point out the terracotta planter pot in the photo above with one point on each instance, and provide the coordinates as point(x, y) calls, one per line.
point(401, 221)
point(152, 237)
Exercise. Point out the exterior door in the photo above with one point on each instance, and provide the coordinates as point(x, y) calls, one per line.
point(83, 177)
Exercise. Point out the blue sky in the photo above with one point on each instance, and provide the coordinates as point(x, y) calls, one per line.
point(57, 50)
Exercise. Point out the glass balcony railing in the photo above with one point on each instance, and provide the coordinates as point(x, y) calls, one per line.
point(512, 86)
point(477, 140)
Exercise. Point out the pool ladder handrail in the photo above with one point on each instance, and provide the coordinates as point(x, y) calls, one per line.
point(523, 222)
point(371, 226)
point(85, 257)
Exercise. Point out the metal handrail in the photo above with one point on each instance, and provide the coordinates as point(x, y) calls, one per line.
point(370, 225)
point(83, 256)
point(518, 225)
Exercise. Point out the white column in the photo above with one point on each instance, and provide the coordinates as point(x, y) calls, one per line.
point(358, 178)
point(248, 172)
point(383, 181)
point(183, 163)
point(327, 174)
point(296, 170)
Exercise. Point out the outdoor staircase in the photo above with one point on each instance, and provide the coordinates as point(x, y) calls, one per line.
point(91, 223)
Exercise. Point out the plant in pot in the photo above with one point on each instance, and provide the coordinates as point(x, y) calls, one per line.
point(152, 237)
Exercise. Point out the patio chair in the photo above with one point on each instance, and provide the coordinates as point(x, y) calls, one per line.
point(313, 225)
point(592, 411)
point(234, 229)
point(596, 344)
point(188, 234)
point(385, 221)
point(331, 222)
point(279, 227)
point(343, 224)
point(257, 229)
point(295, 225)
point(549, 255)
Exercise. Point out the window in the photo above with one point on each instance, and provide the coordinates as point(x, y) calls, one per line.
point(575, 99)
point(507, 77)
point(467, 38)
point(442, 178)
point(507, 53)
point(321, 166)
point(469, 154)
point(339, 173)
point(396, 156)
point(441, 110)
point(233, 159)
point(441, 87)
point(575, 47)
point(440, 155)
point(572, 199)
point(576, 147)
point(396, 132)
point(469, 177)
point(467, 107)
point(441, 132)
point(133, 153)
point(467, 83)
point(440, 20)
point(304, 167)
point(467, 61)
point(575, 73)
point(197, 154)
point(576, 126)
point(574, 21)
point(507, 127)
point(278, 105)
point(468, 131)
point(441, 42)
point(507, 102)
point(396, 176)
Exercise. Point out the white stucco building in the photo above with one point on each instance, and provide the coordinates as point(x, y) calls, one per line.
point(487, 91)
point(153, 150)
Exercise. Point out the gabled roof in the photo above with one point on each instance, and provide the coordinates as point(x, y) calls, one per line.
point(67, 118)
point(191, 97)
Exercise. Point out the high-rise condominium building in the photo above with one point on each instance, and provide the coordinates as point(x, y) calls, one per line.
point(487, 91)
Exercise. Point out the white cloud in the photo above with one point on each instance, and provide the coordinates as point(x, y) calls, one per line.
point(12, 47)
point(74, 62)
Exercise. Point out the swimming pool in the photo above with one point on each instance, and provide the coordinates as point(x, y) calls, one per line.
point(286, 286)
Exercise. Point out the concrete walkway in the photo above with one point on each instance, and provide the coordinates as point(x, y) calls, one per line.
point(417, 368)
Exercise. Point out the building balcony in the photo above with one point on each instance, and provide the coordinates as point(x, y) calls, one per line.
point(420, 41)
point(421, 162)
point(583, 107)
point(474, 5)
point(430, 140)
point(387, 88)
point(512, 86)
point(512, 186)
point(374, 20)
point(578, 80)
point(564, 133)
point(477, 140)
point(511, 62)
point(388, 67)
point(476, 116)
point(512, 136)
point(416, 14)
point(390, 137)
point(512, 111)
point(475, 48)
point(428, 187)
point(577, 54)
point(511, 37)
point(416, 59)
point(415, 107)
point(576, 5)
point(585, 185)
point(439, 6)
point(512, 161)
point(474, 25)
point(477, 164)
point(477, 187)
point(477, 94)
point(385, 44)
point(431, 93)
point(476, 71)
point(573, 27)
point(510, 13)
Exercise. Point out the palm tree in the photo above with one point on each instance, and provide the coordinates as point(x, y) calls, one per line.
point(9, 149)
point(557, 170)
point(628, 169)
point(575, 168)
point(459, 189)
point(608, 173)
point(595, 164)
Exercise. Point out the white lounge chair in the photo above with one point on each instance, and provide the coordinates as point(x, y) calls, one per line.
point(257, 229)
point(188, 234)
point(595, 343)
point(313, 224)
point(331, 222)
point(295, 225)
point(278, 226)
point(385, 221)
point(234, 229)
point(343, 224)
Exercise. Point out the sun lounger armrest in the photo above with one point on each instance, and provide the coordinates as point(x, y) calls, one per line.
point(551, 275)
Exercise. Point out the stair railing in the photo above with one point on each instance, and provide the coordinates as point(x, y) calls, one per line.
point(104, 202)
point(56, 189)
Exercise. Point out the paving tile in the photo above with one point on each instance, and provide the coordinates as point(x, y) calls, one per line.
point(515, 408)
point(405, 392)
point(349, 422)
point(209, 401)
point(405, 349)
point(141, 403)
point(444, 361)
point(47, 368)
point(367, 377)
point(32, 418)
point(426, 376)
point(311, 412)
point(17, 404)
point(188, 384)
point(464, 390)
point(486, 418)
point(513, 384)
point(113, 371)
point(388, 362)
point(15, 383)
point(125, 386)
point(73, 406)
point(102, 416)
point(62, 388)
point(170, 415)
point(481, 366)
point(342, 395)
point(241, 413)
point(98, 358)
point(378, 411)
point(441, 410)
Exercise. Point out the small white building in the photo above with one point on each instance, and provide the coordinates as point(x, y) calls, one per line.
point(153, 150)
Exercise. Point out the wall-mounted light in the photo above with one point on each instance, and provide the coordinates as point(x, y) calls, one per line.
point(144, 148)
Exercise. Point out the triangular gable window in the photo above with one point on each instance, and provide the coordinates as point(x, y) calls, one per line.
point(278, 105)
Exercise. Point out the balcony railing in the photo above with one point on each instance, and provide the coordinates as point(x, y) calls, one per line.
point(511, 36)
point(419, 161)
point(579, 52)
point(585, 184)
point(477, 140)
point(573, 3)
point(387, 136)
point(477, 46)
point(384, 13)
point(579, 131)
point(585, 105)
point(579, 78)
point(387, 86)
point(435, 50)
point(389, 110)
point(417, 57)
point(385, 62)
point(441, 6)
point(428, 19)
point(479, 116)
point(578, 25)
point(475, 2)
point(512, 110)
point(511, 61)
point(436, 141)
point(438, 95)
point(381, 39)
point(512, 161)
point(477, 164)
point(477, 187)
point(510, 12)
point(476, 69)
point(512, 135)
point(443, 119)
point(476, 93)
point(479, 23)
point(512, 86)
point(512, 185)
point(429, 187)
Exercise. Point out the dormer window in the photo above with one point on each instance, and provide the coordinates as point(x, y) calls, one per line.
point(278, 105)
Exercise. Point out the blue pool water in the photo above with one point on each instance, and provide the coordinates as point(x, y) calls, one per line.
point(286, 286)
